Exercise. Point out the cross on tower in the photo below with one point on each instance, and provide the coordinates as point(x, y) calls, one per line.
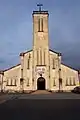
point(39, 5)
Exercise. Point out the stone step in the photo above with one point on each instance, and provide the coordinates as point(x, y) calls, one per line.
point(41, 92)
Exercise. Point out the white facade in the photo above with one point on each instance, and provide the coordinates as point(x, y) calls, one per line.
point(40, 68)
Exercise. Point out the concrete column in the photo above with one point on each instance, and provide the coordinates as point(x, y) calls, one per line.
point(22, 67)
point(22, 64)
point(59, 70)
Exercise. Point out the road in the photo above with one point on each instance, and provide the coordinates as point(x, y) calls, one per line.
point(57, 106)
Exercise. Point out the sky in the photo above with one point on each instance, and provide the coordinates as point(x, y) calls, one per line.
point(16, 29)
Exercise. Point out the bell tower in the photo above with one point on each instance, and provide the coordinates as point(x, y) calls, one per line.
point(40, 34)
point(40, 39)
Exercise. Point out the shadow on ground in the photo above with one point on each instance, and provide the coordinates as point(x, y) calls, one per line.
point(40, 109)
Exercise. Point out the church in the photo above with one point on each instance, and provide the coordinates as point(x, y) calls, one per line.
point(40, 68)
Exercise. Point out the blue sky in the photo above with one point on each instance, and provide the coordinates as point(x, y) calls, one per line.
point(16, 29)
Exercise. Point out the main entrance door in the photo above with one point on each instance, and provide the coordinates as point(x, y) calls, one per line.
point(41, 83)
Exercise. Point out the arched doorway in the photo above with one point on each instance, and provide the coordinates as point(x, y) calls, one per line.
point(41, 83)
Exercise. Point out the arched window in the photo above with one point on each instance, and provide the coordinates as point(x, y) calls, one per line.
point(11, 82)
point(74, 83)
point(28, 62)
point(40, 57)
point(44, 57)
point(39, 25)
point(54, 82)
point(7, 82)
point(70, 81)
point(53, 63)
point(37, 57)
point(27, 81)
point(15, 82)
point(67, 82)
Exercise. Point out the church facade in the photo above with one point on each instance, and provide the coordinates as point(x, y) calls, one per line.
point(41, 67)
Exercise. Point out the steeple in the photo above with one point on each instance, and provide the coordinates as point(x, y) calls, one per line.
point(40, 36)
point(40, 40)
point(40, 28)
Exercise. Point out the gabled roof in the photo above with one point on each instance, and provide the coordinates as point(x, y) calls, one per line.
point(55, 51)
point(69, 67)
point(30, 51)
point(49, 50)
point(25, 52)
point(11, 67)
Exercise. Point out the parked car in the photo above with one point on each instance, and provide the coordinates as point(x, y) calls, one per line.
point(76, 89)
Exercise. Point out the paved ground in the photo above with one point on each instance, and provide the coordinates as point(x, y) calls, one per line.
point(8, 97)
point(57, 106)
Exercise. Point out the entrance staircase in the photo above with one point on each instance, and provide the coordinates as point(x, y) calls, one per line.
point(41, 92)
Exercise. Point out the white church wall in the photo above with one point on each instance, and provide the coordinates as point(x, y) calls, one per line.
point(11, 79)
point(0, 81)
point(54, 68)
point(69, 78)
point(27, 71)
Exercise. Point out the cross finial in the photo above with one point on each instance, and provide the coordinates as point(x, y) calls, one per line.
point(39, 5)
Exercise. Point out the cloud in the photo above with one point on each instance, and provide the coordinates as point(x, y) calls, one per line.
point(64, 33)
point(16, 29)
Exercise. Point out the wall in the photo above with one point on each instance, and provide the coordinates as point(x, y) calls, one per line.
point(54, 74)
point(0, 81)
point(12, 74)
point(66, 73)
point(69, 74)
point(40, 48)
point(27, 72)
